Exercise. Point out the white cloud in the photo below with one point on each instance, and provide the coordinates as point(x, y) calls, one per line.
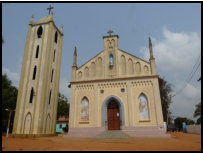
point(13, 76)
point(176, 52)
point(191, 92)
point(175, 56)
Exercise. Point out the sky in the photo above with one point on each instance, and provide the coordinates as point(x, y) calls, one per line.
point(174, 28)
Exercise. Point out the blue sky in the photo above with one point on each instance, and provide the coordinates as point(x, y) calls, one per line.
point(175, 30)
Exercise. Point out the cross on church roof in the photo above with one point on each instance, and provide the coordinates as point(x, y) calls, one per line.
point(110, 32)
point(49, 8)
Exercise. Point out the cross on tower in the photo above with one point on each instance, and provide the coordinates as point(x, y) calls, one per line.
point(110, 32)
point(49, 8)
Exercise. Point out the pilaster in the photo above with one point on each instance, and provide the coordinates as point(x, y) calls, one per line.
point(130, 114)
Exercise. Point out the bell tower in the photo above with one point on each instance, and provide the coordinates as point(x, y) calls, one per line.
point(110, 49)
point(37, 101)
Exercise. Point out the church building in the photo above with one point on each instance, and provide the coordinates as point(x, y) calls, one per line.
point(115, 90)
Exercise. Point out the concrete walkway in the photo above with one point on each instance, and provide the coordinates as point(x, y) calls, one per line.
point(114, 134)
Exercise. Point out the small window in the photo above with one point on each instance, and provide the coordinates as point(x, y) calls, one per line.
point(122, 90)
point(110, 60)
point(52, 75)
point(34, 73)
point(37, 52)
point(54, 55)
point(102, 91)
point(39, 32)
point(56, 37)
point(49, 96)
point(31, 95)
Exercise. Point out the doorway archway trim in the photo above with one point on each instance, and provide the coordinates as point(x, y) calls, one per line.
point(104, 111)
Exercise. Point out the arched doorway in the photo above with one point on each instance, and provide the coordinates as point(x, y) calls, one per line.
point(113, 115)
point(104, 111)
point(27, 124)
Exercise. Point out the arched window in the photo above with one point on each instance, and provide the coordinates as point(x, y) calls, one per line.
point(50, 97)
point(34, 73)
point(130, 66)
point(146, 69)
point(99, 67)
point(92, 69)
point(52, 75)
point(79, 75)
point(37, 52)
point(56, 37)
point(39, 32)
point(84, 110)
point(111, 60)
point(86, 72)
point(143, 107)
point(54, 55)
point(138, 67)
point(31, 95)
point(122, 65)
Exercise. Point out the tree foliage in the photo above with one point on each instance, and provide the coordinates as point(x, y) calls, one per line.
point(63, 106)
point(166, 98)
point(9, 98)
point(197, 113)
point(179, 121)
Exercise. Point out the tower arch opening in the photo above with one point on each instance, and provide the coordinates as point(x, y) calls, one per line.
point(39, 32)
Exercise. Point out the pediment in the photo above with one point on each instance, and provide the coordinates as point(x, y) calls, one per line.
point(125, 65)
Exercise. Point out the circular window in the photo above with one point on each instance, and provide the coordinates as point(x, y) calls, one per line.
point(102, 91)
point(122, 90)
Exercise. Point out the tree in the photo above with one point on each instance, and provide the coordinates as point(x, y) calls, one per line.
point(179, 121)
point(9, 98)
point(63, 106)
point(197, 113)
point(166, 99)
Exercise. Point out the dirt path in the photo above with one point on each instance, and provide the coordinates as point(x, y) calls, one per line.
point(179, 141)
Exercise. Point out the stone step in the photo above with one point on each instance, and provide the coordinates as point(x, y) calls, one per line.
point(114, 134)
point(151, 131)
point(84, 132)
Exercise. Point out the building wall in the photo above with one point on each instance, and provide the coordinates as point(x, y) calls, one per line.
point(129, 99)
point(195, 129)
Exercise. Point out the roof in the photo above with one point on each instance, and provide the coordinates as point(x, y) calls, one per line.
point(63, 118)
point(44, 20)
point(47, 19)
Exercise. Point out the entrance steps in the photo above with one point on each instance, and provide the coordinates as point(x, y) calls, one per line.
point(126, 132)
point(145, 131)
point(84, 132)
point(113, 134)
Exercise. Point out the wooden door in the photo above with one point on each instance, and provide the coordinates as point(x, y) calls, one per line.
point(113, 116)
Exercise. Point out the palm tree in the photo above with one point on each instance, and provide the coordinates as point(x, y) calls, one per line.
point(198, 113)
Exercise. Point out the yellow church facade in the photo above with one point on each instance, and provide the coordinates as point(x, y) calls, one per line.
point(115, 91)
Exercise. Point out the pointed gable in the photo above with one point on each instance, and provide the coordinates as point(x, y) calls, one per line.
point(112, 62)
